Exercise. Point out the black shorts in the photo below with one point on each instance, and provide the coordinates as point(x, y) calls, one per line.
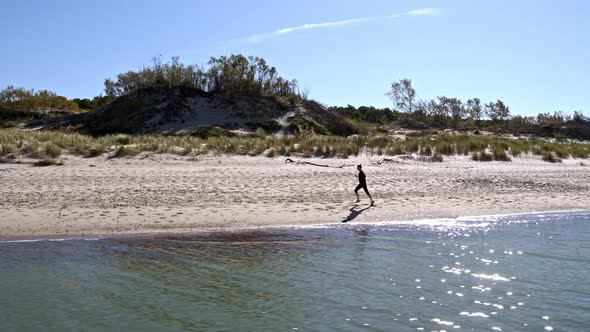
point(362, 185)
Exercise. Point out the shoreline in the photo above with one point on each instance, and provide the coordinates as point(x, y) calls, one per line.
point(158, 194)
point(211, 232)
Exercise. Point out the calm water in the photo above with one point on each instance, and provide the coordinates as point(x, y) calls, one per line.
point(511, 273)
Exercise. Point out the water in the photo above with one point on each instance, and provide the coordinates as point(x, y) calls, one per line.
point(510, 273)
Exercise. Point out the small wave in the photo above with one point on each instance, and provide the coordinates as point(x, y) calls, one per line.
point(495, 277)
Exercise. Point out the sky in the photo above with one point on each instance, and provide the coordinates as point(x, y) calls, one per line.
point(533, 55)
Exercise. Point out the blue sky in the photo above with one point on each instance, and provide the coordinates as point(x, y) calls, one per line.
point(530, 54)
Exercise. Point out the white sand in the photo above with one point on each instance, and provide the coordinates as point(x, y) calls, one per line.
point(163, 193)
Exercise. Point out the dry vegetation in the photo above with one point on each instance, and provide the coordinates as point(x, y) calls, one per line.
point(49, 145)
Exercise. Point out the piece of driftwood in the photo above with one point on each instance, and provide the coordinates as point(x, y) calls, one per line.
point(397, 161)
point(289, 160)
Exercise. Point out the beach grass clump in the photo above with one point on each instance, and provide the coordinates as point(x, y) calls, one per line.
point(516, 151)
point(444, 148)
point(500, 154)
point(52, 144)
point(579, 151)
point(482, 156)
point(426, 150)
point(561, 152)
point(124, 151)
point(551, 157)
point(50, 150)
point(122, 139)
point(8, 149)
point(411, 146)
point(394, 150)
point(437, 157)
point(94, 151)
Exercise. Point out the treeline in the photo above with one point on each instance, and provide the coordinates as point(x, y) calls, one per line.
point(24, 100)
point(235, 75)
point(444, 112)
point(369, 114)
point(44, 101)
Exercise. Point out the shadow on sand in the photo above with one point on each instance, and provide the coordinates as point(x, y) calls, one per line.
point(355, 213)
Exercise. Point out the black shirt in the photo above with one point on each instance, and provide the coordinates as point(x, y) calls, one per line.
point(362, 178)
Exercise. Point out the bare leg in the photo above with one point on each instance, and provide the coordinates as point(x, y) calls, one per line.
point(367, 192)
point(357, 197)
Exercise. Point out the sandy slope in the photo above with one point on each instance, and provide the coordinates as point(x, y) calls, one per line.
point(169, 193)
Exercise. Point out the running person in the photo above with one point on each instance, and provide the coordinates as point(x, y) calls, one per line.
point(362, 184)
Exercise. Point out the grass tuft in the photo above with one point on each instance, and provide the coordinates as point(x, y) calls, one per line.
point(500, 154)
point(551, 157)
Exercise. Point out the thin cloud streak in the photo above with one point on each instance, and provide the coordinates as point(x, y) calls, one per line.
point(425, 12)
point(254, 39)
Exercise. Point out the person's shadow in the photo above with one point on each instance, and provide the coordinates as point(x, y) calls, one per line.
point(355, 213)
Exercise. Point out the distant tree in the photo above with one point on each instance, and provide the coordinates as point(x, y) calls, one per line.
point(100, 100)
point(548, 118)
point(403, 95)
point(497, 111)
point(453, 108)
point(85, 104)
point(368, 113)
point(579, 117)
point(44, 101)
point(435, 113)
point(474, 109)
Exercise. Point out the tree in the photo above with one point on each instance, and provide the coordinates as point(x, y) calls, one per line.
point(474, 109)
point(453, 108)
point(100, 100)
point(85, 104)
point(233, 75)
point(497, 110)
point(403, 95)
point(579, 117)
point(44, 101)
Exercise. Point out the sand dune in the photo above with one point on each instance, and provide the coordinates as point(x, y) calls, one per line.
point(163, 193)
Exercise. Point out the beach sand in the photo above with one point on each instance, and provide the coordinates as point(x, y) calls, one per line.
point(165, 193)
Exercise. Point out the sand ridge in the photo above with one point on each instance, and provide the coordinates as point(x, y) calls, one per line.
point(165, 193)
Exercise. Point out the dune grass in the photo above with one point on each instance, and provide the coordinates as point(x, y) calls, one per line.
point(433, 146)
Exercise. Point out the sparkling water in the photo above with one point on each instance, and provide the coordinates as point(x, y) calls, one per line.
point(505, 273)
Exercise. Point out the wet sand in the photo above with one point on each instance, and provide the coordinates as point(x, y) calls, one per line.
point(164, 193)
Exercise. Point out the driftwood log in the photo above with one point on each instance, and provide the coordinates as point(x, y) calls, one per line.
point(289, 160)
